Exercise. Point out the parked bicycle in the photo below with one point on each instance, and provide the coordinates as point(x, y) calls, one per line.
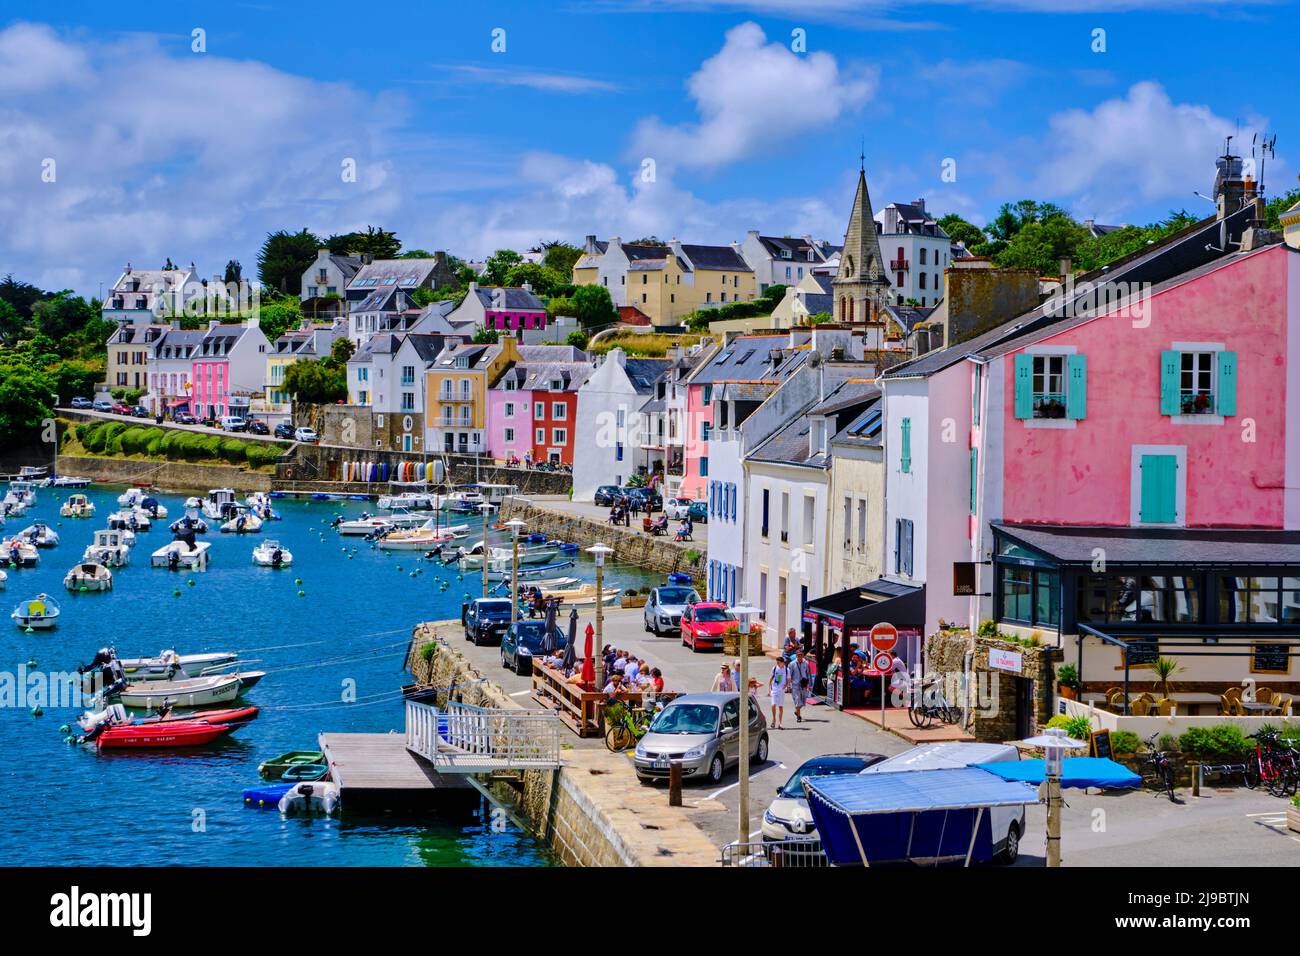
point(927, 703)
point(624, 725)
point(1160, 766)
point(1274, 764)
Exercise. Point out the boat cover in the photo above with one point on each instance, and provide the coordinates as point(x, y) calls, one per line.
point(910, 815)
point(1098, 772)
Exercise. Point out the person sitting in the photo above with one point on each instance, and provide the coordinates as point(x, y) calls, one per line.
point(657, 680)
point(615, 515)
point(614, 686)
point(683, 531)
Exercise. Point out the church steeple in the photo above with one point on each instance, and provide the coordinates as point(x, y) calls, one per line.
point(860, 286)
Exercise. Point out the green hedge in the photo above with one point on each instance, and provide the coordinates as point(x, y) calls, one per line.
point(1221, 744)
point(114, 438)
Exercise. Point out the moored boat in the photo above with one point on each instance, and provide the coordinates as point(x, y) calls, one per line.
point(217, 501)
point(77, 506)
point(269, 554)
point(411, 500)
point(503, 558)
point(132, 519)
point(41, 613)
point(40, 534)
point(19, 553)
point(259, 502)
point(320, 796)
point(139, 498)
point(168, 734)
point(241, 520)
point(274, 768)
point(191, 692)
point(180, 554)
point(108, 548)
point(22, 491)
point(189, 523)
point(65, 481)
point(167, 665)
point(88, 577)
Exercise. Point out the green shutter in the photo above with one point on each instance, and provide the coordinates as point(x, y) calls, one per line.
point(1171, 366)
point(1024, 386)
point(1159, 489)
point(975, 402)
point(906, 458)
point(974, 476)
point(1076, 386)
point(1225, 400)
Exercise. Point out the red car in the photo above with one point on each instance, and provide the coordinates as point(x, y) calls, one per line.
point(120, 409)
point(704, 624)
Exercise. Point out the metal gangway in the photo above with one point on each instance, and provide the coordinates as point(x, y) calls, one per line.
point(462, 738)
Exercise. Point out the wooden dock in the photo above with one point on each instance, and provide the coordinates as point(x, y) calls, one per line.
point(376, 771)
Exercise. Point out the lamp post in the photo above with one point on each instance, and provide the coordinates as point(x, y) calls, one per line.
point(515, 525)
point(598, 551)
point(742, 611)
point(1054, 743)
point(487, 510)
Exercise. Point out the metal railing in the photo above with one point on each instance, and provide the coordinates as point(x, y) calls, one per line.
point(461, 738)
point(798, 854)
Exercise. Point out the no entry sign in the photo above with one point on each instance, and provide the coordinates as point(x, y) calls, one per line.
point(884, 637)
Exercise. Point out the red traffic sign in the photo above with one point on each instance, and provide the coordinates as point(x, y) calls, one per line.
point(882, 661)
point(884, 637)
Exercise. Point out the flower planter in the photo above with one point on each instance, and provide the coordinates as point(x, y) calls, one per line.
point(1067, 693)
point(638, 601)
point(731, 643)
point(1293, 818)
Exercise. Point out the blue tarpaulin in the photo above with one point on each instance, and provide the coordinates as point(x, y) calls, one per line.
point(1075, 772)
point(911, 815)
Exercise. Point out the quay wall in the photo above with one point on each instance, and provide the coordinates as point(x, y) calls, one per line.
point(631, 545)
point(318, 463)
point(168, 475)
point(593, 811)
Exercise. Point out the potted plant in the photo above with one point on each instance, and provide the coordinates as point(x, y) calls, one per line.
point(1165, 668)
point(1068, 684)
point(631, 598)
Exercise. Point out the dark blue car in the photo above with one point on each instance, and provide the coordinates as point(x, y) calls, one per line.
point(523, 641)
point(486, 619)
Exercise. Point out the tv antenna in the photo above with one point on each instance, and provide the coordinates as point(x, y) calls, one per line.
point(1265, 147)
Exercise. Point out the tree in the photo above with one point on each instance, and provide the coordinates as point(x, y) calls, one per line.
point(284, 257)
point(959, 230)
point(342, 350)
point(11, 323)
point(1274, 208)
point(561, 257)
point(315, 382)
point(486, 336)
point(593, 307)
point(62, 315)
point(558, 306)
point(577, 338)
point(543, 279)
point(25, 396)
point(377, 242)
point(1042, 244)
point(278, 314)
point(21, 295)
point(498, 264)
point(416, 254)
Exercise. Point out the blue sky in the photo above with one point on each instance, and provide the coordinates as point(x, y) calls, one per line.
point(162, 151)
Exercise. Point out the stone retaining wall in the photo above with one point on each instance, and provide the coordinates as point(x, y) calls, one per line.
point(168, 475)
point(593, 811)
point(324, 463)
point(630, 546)
point(945, 653)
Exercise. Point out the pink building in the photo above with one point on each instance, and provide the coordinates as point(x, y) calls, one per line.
point(509, 418)
point(699, 422)
point(228, 367)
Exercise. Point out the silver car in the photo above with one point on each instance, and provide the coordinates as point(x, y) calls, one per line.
point(702, 731)
point(789, 818)
point(664, 607)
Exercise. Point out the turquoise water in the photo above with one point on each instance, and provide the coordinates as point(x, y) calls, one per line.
point(68, 805)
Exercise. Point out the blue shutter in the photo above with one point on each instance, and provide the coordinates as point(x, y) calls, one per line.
point(1024, 386)
point(731, 511)
point(1159, 484)
point(974, 476)
point(1076, 386)
point(905, 459)
point(1171, 366)
point(1225, 400)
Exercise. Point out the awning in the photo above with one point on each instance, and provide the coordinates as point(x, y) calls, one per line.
point(1158, 546)
point(873, 603)
point(1079, 772)
point(911, 815)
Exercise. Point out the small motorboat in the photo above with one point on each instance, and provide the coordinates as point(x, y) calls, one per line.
point(411, 500)
point(275, 768)
point(182, 554)
point(498, 573)
point(249, 679)
point(259, 502)
point(241, 521)
point(40, 534)
point(419, 539)
point(132, 519)
point(267, 796)
point(109, 548)
point(41, 613)
point(317, 797)
point(11, 507)
point(22, 491)
point(65, 481)
point(167, 665)
point(191, 692)
point(547, 585)
point(586, 594)
point(217, 502)
point(167, 734)
point(139, 498)
point(77, 506)
point(189, 523)
point(368, 524)
point(19, 553)
point(503, 558)
point(269, 554)
point(116, 713)
point(88, 577)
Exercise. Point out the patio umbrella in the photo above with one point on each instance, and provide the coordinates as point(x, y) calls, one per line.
point(548, 638)
point(589, 661)
point(571, 648)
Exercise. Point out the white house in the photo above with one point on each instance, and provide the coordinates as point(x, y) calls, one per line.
point(915, 250)
point(608, 419)
point(328, 275)
point(170, 367)
point(784, 260)
point(142, 295)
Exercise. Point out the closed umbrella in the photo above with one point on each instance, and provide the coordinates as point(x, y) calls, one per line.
point(589, 661)
point(571, 647)
point(548, 638)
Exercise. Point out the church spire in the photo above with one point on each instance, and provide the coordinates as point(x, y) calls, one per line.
point(861, 281)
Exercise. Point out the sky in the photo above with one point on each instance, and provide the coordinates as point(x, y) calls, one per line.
point(140, 131)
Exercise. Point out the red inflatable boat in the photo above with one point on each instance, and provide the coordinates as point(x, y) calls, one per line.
point(167, 734)
point(234, 716)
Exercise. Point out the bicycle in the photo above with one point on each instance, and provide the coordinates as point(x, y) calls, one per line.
point(1161, 767)
point(1272, 764)
point(925, 705)
point(624, 725)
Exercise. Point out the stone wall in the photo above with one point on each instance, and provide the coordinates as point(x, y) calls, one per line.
point(324, 463)
point(631, 546)
point(993, 702)
point(168, 475)
point(593, 811)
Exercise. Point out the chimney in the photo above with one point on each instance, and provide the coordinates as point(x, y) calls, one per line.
point(920, 204)
point(367, 258)
point(176, 325)
point(753, 233)
point(1066, 269)
point(213, 323)
point(527, 287)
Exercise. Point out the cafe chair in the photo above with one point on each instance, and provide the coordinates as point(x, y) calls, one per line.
point(1284, 703)
point(1225, 705)
point(1234, 691)
point(1140, 707)
point(1165, 707)
point(1264, 695)
point(1237, 709)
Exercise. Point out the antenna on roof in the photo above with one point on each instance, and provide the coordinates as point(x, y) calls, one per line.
point(1265, 147)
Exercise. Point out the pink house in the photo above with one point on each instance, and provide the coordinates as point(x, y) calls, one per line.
point(509, 418)
point(228, 367)
point(505, 309)
point(695, 456)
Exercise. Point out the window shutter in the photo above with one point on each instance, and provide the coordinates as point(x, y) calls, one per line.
point(975, 402)
point(1225, 401)
point(1159, 489)
point(898, 545)
point(906, 457)
point(1170, 367)
point(1076, 389)
point(1024, 386)
point(974, 476)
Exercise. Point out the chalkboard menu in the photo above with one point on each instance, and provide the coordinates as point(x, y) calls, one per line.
point(1270, 659)
point(1142, 650)
point(1100, 744)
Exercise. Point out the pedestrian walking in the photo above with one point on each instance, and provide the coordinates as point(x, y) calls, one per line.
point(799, 674)
point(776, 689)
point(722, 681)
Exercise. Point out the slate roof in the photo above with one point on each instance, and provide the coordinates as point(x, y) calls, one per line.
point(220, 339)
point(789, 444)
point(426, 346)
point(716, 258)
point(908, 316)
point(1148, 546)
point(393, 273)
point(747, 358)
point(179, 339)
point(644, 372)
point(815, 303)
point(851, 392)
point(801, 250)
point(865, 429)
point(515, 299)
point(825, 282)
point(915, 221)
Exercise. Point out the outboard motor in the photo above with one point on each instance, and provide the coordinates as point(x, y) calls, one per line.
point(173, 560)
point(277, 557)
point(239, 523)
point(338, 520)
point(102, 657)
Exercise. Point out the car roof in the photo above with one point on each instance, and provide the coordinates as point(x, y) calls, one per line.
point(720, 604)
point(717, 698)
point(845, 762)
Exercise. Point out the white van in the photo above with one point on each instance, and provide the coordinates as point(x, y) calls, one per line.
point(1007, 823)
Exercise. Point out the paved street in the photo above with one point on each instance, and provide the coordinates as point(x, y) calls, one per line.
point(585, 509)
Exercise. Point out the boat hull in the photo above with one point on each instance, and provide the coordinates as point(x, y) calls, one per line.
point(150, 695)
point(167, 735)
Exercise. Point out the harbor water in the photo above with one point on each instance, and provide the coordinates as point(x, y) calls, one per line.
point(333, 657)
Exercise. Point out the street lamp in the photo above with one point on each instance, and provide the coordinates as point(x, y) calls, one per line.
point(515, 526)
point(487, 510)
point(742, 612)
point(598, 552)
point(1054, 743)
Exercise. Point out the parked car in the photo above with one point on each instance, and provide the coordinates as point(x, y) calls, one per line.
point(699, 512)
point(139, 411)
point(607, 495)
point(184, 418)
point(648, 499)
point(257, 427)
point(120, 408)
point(522, 641)
point(284, 430)
point(704, 624)
point(80, 402)
point(788, 818)
point(702, 731)
point(486, 619)
point(102, 406)
point(664, 608)
point(307, 435)
point(233, 423)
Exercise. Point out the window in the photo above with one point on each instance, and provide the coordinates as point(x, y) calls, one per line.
point(1029, 596)
point(704, 431)
point(408, 401)
point(1200, 382)
point(704, 466)
point(785, 516)
point(510, 434)
point(1051, 386)
point(618, 451)
point(1196, 383)
point(539, 436)
point(1128, 599)
point(809, 520)
point(862, 525)
point(903, 546)
point(510, 409)
point(558, 410)
point(559, 436)
point(1247, 600)
point(408, 374)
point(921, 277)
point(905, 458)
point(974, 477)
point(539, 410)
point(766, 494)
point(921, 256)
point(464, 388)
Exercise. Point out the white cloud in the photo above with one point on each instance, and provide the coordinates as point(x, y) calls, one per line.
point(975, 82)
point(534, 79)
point(752, 95)
point(33, 59)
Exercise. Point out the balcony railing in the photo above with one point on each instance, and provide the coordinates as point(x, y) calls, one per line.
point(1196, 402)
point(1049, 404)
point(900, 265)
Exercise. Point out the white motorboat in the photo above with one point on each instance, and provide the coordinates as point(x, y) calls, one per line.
point(133, 519)
point(168, 665)
point(581, 596)
point(259, 502)
point(65, 481)
point(410, 500)
point(40, 613)
point(40, 534)
point(369, 524)
point(191, 692)
point(217, 503)
point(269, 554)
point(547, 585)
point(88, 576)
point(22, 491)
point(503, 558)
point(179, 554)
point(241, 521)
point(12, 507)
point(77, 506)
point(423, 538)
point(137, 499)
point(109, 548)
point(19, 553)
point(318, 796)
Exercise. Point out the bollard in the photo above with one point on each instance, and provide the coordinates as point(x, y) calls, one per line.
point(675, 784)
point(1195, 768)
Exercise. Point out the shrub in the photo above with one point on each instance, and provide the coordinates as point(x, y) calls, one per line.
point(1124, 742)
point(112, 431)
point(232, 450)
point(1067, 675)
point(261, 453)
point(1166, 742)
point(988, 628)
point(1221, 744)
point(427, 652)
point(82, 429)
point(94, 437)
point(1080, 728)
point(153, 441)
point(170, 445)
point(133, 440)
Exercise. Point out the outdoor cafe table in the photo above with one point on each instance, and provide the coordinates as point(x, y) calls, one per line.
point(572, 703)
point(1258, 707)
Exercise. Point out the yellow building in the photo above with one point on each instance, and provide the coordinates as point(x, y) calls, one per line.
point(455, 390)
point(1291, 226)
